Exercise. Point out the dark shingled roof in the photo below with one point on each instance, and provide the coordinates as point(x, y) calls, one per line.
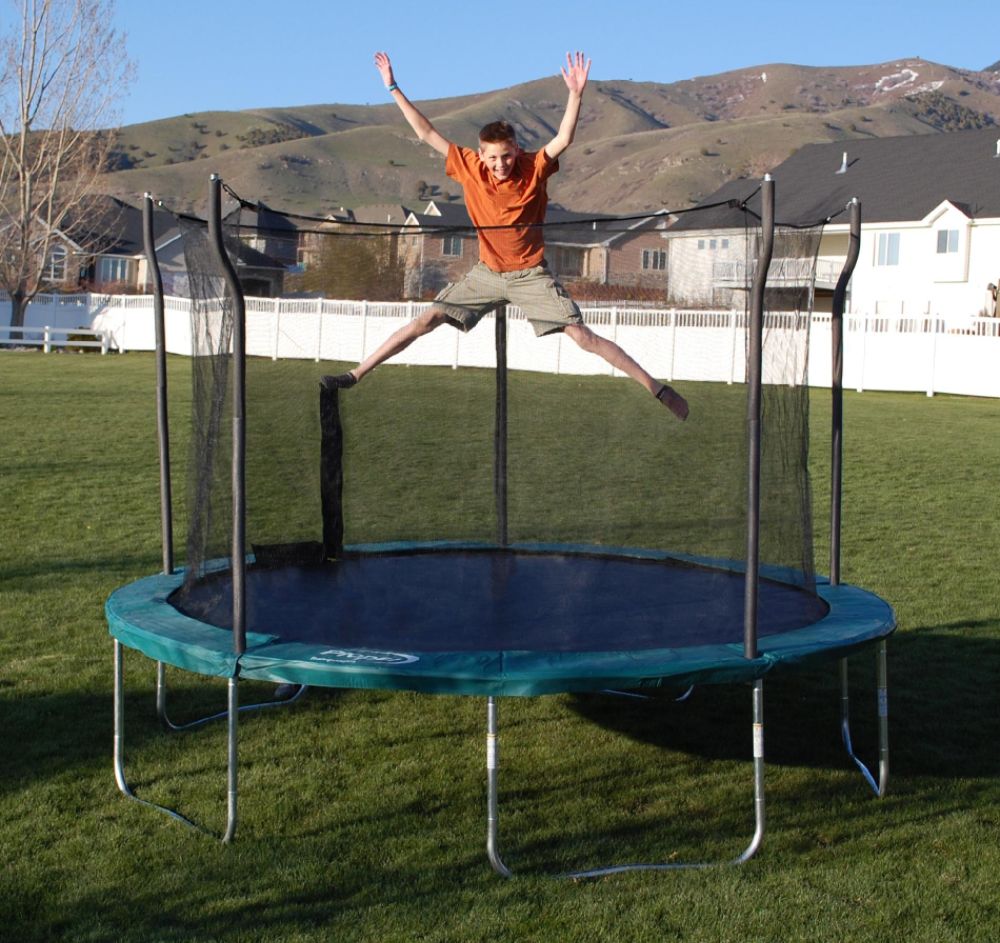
point(109, 226)
point(897, 179)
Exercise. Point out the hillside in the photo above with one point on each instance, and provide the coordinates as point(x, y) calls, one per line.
point(639, 146)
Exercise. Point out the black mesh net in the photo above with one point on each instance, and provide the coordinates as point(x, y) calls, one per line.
point(591, 458)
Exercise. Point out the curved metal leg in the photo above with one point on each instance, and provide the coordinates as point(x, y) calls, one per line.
point(119, 752)
point(614, 692)
point(161, 704)
point(492, 762)
point(232, 764)
point(492, 805)
point(881, 785)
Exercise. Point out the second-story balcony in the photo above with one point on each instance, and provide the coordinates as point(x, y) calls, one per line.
point(787, 273)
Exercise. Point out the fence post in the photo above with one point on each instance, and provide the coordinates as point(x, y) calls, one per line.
point(47, 340)
point(319, 330)
point(614, 332)
point(733, 321)
point(862, 323)
point(673, 343)
point(932, 369)
point(277, 328)
point(364, 330)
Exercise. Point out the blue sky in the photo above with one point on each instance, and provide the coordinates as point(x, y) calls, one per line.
point(201, 55)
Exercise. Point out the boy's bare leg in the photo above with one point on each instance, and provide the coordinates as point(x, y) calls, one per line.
point(398, 341)
point(609, 351)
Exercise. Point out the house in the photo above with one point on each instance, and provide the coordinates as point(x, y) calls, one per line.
point(585, 251)
point(438, 246)
point(105, 251)
point(930, 211)
point(601, 257)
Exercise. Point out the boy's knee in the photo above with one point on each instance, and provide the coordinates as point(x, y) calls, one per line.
point(427, 320)
point(582, 335)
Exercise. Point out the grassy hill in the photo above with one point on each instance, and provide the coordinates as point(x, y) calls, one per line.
point(639, 145)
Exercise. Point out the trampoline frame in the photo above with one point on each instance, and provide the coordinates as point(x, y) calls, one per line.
point(233, 708)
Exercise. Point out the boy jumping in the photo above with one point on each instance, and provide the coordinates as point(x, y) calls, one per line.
point(506, 187)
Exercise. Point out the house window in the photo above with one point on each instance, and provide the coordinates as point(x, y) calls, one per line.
point(654, 259)
point(888, 249)
point(112, 270)
point(55, 269)
point(451, 245)
point(567, 262)
point(947, 241)
point(701, 243)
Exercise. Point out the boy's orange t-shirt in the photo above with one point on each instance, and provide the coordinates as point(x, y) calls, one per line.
point(518, 201)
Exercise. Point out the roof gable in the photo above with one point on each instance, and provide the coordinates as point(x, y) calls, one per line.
point(897, 179)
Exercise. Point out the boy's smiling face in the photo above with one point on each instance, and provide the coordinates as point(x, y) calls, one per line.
point(499, 157)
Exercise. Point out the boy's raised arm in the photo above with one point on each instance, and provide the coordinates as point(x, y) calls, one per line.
point(575, 76)
point(419, 122)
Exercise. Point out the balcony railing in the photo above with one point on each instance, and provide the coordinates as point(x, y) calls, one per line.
point(786, 273)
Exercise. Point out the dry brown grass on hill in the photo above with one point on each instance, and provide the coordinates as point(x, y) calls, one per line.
point(639, 146)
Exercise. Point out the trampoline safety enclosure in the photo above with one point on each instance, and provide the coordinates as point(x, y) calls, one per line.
point(494, 532)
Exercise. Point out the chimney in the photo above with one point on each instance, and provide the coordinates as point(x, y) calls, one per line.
point(843, 164)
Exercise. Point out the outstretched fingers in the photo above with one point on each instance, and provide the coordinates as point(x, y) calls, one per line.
point(576, 71)
point(384, 67)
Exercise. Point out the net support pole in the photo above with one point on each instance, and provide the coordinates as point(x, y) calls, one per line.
point(880, 784)
point(754, 400)
point(837, 386)
point(239, 414)
point(500, 428)
point(162, 424)
point(238, 553)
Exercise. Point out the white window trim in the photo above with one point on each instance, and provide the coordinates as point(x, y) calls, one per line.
point(452, 242)
point(883, 241)
point(55, 265)
point(654, 260)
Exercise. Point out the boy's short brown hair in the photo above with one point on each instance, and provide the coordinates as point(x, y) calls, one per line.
point(497, 132)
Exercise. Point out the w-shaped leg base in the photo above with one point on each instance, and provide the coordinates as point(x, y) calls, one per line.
point(232, 714)
point(492, 803)
point(878, 786)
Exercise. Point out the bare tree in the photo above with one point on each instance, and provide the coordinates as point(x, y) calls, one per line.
point(63, 67)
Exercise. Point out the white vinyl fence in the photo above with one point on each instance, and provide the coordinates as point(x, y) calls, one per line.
point(929, 354)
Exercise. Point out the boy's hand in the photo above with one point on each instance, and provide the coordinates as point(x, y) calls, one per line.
point(576, 72)
point(384, 67)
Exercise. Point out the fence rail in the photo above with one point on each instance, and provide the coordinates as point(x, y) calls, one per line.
point(48, 337)
point(931, 353)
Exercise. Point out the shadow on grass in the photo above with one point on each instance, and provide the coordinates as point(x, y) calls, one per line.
point(944, 709)
point(143, 565)
point(61, 733)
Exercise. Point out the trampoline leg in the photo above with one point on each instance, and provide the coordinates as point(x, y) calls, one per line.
point(758, 773)
point(119, 749)
point(492, 804)
point(879, 788)
point(161, 704)
point(232, 764)
point(492, 765)
point(758, 791)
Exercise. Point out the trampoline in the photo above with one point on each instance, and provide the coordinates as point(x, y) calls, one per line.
point(497, 617)
point(474, 620)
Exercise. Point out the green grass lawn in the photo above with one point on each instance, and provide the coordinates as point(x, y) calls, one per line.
point(362, 813)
